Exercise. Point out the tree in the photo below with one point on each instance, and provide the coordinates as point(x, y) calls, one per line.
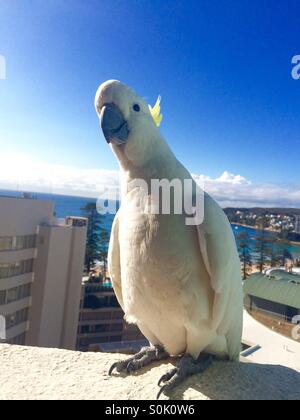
point(274, 258)
point(283, 252)
point(95, 235)
point(262, 248)
point(103, 249)
point(243, 241)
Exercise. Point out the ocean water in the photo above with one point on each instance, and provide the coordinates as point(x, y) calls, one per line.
point(71, 206)
point(65, 205)
point(252, 232)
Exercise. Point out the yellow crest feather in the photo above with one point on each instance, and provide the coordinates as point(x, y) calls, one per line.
point(155, 112)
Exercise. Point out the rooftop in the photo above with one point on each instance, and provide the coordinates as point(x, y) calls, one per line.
point(273, 348)
point(279, 286)
point(40, 373)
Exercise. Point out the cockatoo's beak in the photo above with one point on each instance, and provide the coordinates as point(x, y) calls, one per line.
point(113, 124)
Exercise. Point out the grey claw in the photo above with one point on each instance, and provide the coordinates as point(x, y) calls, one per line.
point(166, 377)
point(130, 367)
point(162, 379)
point(161, 391)
point(113, 366)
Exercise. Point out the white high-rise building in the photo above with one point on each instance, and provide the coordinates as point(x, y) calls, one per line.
point(297, 224)
point(41, 265)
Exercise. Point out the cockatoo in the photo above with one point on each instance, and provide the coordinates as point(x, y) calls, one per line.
point(179, 283)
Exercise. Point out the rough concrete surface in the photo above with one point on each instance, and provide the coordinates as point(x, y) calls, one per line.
point(38, 373)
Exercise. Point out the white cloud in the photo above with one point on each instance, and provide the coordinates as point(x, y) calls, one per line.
point(25, 173)
point(226, 177)
point(21, 172)
point(236, 191)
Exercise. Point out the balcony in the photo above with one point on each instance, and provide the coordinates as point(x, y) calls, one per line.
point(98, 288)
point(30, 373)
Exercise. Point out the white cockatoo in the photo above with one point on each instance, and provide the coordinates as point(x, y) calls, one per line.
point(179, 283)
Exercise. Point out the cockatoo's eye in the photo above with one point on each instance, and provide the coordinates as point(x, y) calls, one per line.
point(136, 108)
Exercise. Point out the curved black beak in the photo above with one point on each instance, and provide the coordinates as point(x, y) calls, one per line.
point(113, 124)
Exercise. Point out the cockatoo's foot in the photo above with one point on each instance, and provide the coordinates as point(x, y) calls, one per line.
point(143, 358)
point(187, 366)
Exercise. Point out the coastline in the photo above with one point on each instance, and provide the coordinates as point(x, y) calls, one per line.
point(266, 230)
point(256, 228)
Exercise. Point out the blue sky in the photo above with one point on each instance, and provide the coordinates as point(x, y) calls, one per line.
point(223, 69)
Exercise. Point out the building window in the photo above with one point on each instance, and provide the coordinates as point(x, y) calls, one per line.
point(2, 297)
point(92, 329)
point(14, 243)
point(14, 294)
point(115, 338)
point(6, 243)
point(100, 328)
point(116, 327)
point(101, 316)
point(18, 340)
point(15, 269)
point(117, 315)
point(77, 222)
point(84, 329)
point(17, 318)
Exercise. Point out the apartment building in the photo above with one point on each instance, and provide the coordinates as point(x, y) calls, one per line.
point(297, 224)
point(41, 265)
point(101, 323)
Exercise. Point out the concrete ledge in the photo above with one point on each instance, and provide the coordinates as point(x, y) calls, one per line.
point(36, 373)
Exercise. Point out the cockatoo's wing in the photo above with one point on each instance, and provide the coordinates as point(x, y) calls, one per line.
point(114, 266)
point(218, 249)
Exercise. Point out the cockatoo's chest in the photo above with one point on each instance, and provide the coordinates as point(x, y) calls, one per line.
point(160, 260)
point(146, 234)
point(155, 243)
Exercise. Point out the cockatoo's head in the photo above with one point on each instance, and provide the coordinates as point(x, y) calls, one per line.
point(128, 123)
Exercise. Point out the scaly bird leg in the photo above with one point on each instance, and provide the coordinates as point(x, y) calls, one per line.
point(143, 358)
point(187, 366)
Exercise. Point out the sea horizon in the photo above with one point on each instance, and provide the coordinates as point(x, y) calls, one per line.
point(69, 205)
point(19, 193)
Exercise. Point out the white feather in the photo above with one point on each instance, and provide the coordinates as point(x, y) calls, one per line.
point(180, 284)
